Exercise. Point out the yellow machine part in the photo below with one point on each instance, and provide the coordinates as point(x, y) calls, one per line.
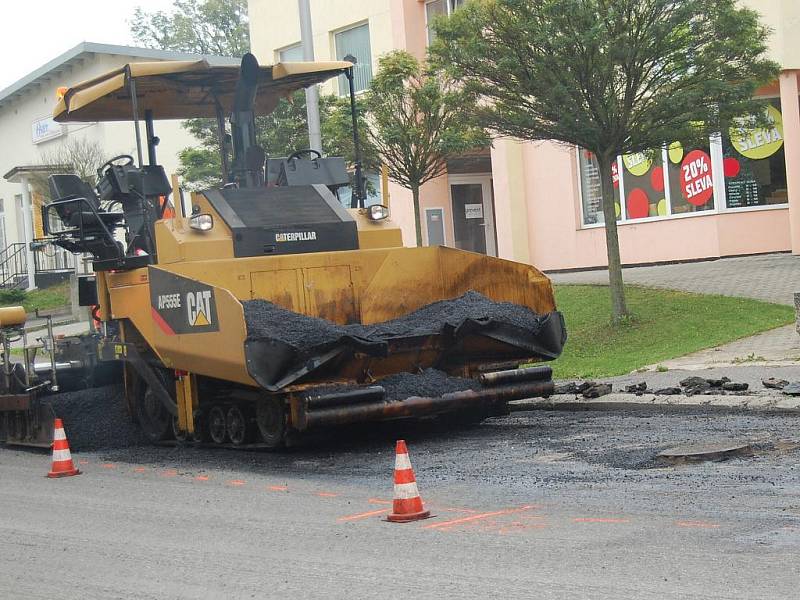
point(11, 316)
point(177, 242)
point(355, 286)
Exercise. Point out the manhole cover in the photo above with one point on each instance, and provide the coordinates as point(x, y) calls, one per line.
point(705, 452)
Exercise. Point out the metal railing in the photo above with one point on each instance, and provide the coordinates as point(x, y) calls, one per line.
point(48, 259)
point(52, 260)
point(13, 266)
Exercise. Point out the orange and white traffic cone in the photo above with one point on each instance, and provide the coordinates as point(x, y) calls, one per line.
point(407, 505)
point(62, 459)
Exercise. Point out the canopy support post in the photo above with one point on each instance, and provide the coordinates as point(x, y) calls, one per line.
point(221, 133)
point(357, 197)
point(152, 140)
point(135, 107)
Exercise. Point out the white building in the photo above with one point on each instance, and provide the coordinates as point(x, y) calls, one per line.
point(30, 137)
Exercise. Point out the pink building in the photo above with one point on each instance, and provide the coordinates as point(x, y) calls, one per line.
point(540, 203)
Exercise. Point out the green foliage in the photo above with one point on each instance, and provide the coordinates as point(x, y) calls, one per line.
point(220, 27)
point(668, 324)
point(11, 297)
point(200, 168)
point(618, 77)
point(418, 120)
point(280, 133)
point(56, 296)
point(216, 27)
point(612, 77)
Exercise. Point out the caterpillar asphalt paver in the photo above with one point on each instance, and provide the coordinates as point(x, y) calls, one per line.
point(264, 309)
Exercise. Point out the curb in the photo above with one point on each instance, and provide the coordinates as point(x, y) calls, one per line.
point(765, 402)
point(719, 365)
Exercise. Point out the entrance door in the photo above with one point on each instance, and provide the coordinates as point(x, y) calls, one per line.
point(473, 214)
point(434, 224)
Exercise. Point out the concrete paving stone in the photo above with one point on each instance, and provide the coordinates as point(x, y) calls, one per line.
point(769, 277)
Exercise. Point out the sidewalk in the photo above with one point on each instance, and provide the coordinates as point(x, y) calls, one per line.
point(769, 277)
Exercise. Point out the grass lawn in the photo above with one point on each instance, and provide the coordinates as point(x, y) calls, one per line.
point(49, 298)
point(667, 324)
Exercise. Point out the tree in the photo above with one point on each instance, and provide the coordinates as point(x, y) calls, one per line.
point(611, 76)
point(75, 155)
point(418, 120)
point(217, 27)
point(280, 133)
point(220, 27)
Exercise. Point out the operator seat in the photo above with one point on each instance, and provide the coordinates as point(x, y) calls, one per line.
point(77, 214)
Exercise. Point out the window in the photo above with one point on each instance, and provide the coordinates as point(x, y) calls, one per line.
point(754, 164)
point(691, 179)
point(293, 53)
point(643, 185)
point(355, 42)
point(436, 8)
point(591, 188)
point(736, 170)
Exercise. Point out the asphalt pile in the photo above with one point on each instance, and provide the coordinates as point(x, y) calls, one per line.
point(266, 321)
point(96, 419)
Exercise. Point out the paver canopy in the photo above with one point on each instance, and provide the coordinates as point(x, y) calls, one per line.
point(184, 89)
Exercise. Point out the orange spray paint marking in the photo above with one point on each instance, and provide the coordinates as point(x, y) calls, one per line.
point(379, 501)
point(325, 494)
point(697, 524)
point(364, 515)
point(109, 466)
point(278, 488)
point(477, 517)
point(201, 478)
point(457, 510)
point(599, 520)
point(237, 482)
point(83, 461)
point(169, 473)
point(139, 469)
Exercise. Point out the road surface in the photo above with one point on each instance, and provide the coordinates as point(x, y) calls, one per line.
point(544, 505)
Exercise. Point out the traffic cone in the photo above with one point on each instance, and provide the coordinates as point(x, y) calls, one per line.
point(407, 505)
point(62, 459)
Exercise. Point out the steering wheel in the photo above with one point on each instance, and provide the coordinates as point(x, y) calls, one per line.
point(111, 162)
point(299, 153)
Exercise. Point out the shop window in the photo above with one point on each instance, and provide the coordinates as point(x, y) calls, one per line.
point(591, 188)
point(355, 42)
point(754, 164)
point(293, 53)
point(643, 183)
point(691, 179)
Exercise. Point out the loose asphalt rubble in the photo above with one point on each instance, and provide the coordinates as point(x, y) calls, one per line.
point(96, 418)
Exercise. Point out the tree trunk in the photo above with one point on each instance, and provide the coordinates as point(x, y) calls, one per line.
point(417, 221)
point(619, 310)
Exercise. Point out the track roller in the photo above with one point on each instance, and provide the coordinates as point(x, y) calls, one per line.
point(238, 424)
point(217, 426)
point(271, 420)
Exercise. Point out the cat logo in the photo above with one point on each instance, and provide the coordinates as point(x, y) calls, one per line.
point(198, 308)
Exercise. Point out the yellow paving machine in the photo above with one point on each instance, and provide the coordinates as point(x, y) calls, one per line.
point(265, 308)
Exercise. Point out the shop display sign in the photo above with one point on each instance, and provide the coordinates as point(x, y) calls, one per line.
point(638, 163)
point(760, 143)
point(696, 178)
point(473, 211)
